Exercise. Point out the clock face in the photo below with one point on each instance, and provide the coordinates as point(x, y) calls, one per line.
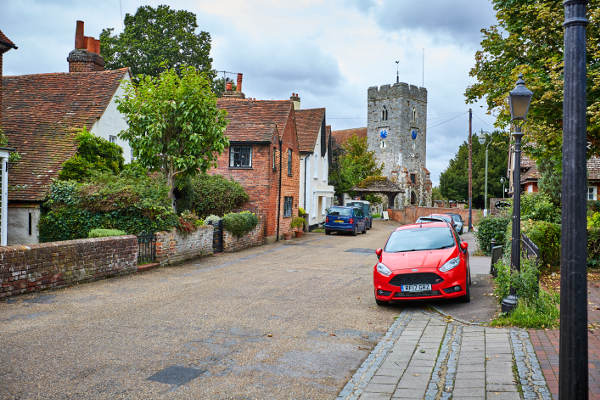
point(383, 133)
point(414, 134)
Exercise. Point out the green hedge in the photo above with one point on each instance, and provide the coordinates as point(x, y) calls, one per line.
point(129, 202)
point(593, 260)
point(101, 232)
point(240, 223)
point(539, 207)
point(211, 194)
point(488, 228)
point(546, 235)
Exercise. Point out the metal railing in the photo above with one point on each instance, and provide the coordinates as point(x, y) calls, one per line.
point(146, 248)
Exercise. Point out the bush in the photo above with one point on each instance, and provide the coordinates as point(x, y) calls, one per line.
point(241, 223)
point(539, 207)
point(546, 236)
point(526, 283)
point(297, 222)
point(188, 222)
point(211, 194)
point(212, 219)
point(376, 216)
point(593, 248)
point(593, 220)
point(101, 232)
point(130, 203)
point(488, 228)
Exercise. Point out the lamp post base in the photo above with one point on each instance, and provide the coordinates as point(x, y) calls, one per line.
point(509, 303)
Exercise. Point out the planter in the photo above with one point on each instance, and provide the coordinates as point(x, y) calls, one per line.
point(287, 235)
point(299, 234)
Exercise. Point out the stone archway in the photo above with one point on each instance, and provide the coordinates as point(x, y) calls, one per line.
point(379, 185)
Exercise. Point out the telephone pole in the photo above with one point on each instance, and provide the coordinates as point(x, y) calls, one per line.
point(470, 228)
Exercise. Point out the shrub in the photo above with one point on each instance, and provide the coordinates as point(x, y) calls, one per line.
point(297, 222)
point(539, 207)
point(488, 228)
point(239, 224)
point(188, 222)
point(593, 205)
point(101, 232)
point(376, 216)
point(301, 211)
point(546, 236)
point(212, 219)
point(526, 282)
point(593, 248)
point(211, 194)
point(125, 202)
point(593, 221)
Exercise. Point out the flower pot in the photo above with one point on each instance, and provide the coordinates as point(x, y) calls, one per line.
point(299, 234)
point(287, 235)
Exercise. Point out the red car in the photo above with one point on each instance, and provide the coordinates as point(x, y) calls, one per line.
point(422, 261)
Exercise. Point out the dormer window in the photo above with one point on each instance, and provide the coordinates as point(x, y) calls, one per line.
point(384, 114)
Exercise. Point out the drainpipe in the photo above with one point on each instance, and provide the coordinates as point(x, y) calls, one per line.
point(305, 180)
point(279, 191)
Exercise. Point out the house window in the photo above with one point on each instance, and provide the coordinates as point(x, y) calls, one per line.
point(274, 158)
point(592, 193)
point(112, 138)
point(289, 162)
point(287, 206)
point(384, 114)
point(240, 157)
point(413, 178)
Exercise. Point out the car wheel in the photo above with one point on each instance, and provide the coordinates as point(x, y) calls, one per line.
point(327, 232)
point(364, 229)
point(467, 297)
point(354, 232)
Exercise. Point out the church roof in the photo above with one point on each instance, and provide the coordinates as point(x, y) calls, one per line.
point(340, 137)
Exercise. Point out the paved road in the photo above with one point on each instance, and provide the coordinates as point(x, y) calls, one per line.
point(287, 320)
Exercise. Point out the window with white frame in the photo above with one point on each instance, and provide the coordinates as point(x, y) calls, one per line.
point(240, 156)
point(112, 138)
point(592, 193)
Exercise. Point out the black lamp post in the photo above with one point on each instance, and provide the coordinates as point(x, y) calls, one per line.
point(573, 354)
point(518, 100)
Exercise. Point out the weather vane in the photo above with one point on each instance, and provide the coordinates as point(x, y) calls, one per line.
point(397, 76)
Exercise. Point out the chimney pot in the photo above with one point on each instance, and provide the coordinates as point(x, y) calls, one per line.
point(239, 82)
point(89, 43)
point(79, 42)
point(97, 47)
point(229, 86)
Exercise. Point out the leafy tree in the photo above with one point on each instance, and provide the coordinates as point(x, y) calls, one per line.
point(174, 123)
point(528, 39)
point(454, 180)
point(352, 165)
point(94, 155)
point(436, 193)
point(157, 39)
point(210, 194)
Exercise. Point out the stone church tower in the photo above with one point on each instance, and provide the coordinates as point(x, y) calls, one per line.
point(396, 132)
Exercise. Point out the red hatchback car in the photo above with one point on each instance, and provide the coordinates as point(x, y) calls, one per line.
point(422, 261)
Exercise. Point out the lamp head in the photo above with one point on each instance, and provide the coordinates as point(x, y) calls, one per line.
point(481, 139)
point(518, 100)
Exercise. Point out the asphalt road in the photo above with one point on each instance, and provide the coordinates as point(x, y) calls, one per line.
point(291, 320)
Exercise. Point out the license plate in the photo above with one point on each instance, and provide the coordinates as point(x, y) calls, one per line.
point(339, 221)
point(420, 287)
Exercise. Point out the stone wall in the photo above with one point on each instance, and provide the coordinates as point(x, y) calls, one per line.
point(409, 215)
point(255, 237)
point(173, 246)
point(58, 264)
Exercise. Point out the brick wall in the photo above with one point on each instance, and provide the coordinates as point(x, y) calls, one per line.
point(173, 246)
point(409, 215)
point(255, 237)
point(59, 264)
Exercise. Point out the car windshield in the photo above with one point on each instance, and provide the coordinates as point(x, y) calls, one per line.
point(456, 218)
point(346, 212)
point(419, 239)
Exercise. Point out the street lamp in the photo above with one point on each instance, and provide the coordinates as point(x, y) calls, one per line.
point(518, 100)
point(502, 180)
point(482, 140)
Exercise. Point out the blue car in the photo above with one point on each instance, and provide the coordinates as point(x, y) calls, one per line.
point(345, 219)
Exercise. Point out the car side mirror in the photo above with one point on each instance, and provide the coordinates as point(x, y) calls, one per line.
point(464, 246)
point(379, 252)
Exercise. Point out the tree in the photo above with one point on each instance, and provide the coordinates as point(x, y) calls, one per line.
point(528, 39)
point(454, 180)
point(352, 165)
point(174, 123)
point(156, 39)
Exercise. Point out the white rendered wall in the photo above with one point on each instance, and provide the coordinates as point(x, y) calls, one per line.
point(319, 187)
point(112, 122)
point(18, 225)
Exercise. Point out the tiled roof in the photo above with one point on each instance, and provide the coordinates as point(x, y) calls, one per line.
point(340, 137)
point(531, 173)
point(308, 124)
point(6, 43)
point(255, 120)
point(40, 114)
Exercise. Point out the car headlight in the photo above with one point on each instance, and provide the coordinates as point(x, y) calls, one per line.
point(450, 264)
point(383, 270)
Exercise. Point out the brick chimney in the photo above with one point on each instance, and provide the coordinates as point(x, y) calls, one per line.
point(237, 94)
point(295, 98)
point(86, 55)
point(5, 45)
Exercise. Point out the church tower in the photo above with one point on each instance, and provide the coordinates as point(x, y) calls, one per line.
point(396, 132)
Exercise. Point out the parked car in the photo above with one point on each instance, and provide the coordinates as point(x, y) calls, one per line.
point(438, 217)
point(345, 219)
point(365, 206)
point(458, 222)
point(422, 261)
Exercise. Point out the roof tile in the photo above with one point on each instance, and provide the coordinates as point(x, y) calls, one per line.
point(308, 124)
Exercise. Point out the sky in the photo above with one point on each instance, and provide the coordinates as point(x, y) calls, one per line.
point(328, 51)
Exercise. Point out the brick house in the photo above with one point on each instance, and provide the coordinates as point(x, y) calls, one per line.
point(41, 114)
point(316, 195)
point(263, 157)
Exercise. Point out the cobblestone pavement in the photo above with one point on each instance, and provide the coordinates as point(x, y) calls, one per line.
point(546, 343)
point(425, 355)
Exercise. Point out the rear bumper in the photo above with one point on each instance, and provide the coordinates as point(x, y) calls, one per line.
point(339, 227)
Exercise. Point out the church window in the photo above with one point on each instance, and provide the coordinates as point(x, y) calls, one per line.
point(413, 178)
point(382, 144)
point(384, 114)
point(414, 115)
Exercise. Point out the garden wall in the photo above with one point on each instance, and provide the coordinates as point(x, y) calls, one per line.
point(409, 215)
point(255, 237)
point(173, 246)
point(58, 264)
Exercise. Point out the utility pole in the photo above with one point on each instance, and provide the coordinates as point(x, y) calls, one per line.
point(573, 355)
point(470, 228)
